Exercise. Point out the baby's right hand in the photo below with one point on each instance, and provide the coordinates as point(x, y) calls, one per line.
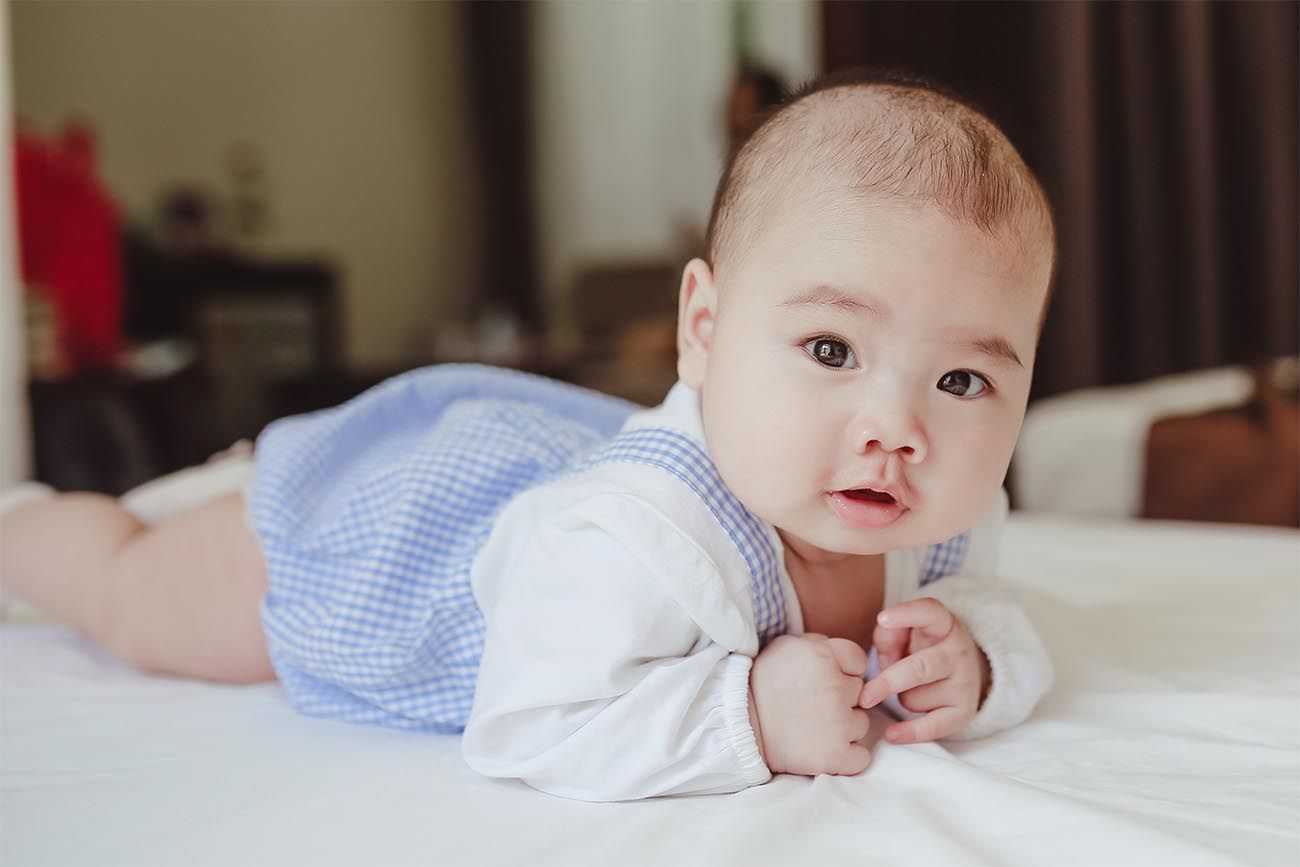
point(805, 691)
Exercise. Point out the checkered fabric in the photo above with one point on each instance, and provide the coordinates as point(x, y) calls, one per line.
point(370, 515)
point(944, 558)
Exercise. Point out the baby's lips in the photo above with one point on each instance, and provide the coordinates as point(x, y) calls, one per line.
point(870, 494)
point(894, 490)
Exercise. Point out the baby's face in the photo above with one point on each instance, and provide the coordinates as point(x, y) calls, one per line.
point(866, 374)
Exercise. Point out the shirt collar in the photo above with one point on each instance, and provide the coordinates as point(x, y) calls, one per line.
point(679, 411)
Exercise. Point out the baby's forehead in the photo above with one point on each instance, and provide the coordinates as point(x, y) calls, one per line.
point(830, 225)
point(818, 254)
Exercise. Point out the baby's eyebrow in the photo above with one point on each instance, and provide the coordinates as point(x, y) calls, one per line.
point(994, 347)
point(831, 296)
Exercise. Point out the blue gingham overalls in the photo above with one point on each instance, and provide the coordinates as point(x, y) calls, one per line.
point(370, 516)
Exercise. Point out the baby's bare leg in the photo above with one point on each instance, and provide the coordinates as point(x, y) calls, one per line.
point(182, 597)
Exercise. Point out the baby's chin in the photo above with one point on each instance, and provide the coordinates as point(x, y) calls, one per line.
point(907, 532)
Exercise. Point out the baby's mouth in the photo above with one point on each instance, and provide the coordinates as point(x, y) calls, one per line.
point(867, 508)
point(870, 495)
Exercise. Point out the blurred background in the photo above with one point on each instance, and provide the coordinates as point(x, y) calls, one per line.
point(221, 213)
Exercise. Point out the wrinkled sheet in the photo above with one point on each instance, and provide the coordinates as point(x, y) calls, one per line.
point(1171, 737)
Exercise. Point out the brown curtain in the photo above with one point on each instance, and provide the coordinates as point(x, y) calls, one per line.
point(498, 56)
point(1166, 136)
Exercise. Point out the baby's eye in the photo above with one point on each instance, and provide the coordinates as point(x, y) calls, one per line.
point(962, 383)
point(830, 352)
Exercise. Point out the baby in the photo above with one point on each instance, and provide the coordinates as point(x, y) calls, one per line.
point(615, 603)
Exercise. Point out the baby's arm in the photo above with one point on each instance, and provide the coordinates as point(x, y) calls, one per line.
point(595, 683)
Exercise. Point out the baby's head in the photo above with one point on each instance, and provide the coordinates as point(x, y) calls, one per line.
point(863, 333)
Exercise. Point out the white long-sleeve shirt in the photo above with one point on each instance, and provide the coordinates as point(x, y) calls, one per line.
point(621, 633)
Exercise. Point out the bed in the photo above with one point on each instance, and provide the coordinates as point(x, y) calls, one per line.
point(1171, 737)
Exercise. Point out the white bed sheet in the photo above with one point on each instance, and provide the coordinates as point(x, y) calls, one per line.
point(1172, 737)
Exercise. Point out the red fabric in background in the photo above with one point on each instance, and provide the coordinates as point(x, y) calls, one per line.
point(68, 243)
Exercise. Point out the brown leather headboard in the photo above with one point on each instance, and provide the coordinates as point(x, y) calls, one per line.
point(1240, 465)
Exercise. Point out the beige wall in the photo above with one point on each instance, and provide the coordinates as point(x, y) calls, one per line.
point(354, 106)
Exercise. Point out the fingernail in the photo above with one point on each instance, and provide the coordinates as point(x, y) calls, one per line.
point(884, 617)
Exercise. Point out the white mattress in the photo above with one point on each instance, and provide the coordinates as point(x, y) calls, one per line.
point(1172, 737)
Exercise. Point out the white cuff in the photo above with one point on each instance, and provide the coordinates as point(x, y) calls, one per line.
point(735, 708)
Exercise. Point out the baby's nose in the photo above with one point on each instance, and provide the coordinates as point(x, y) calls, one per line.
point(897, 432)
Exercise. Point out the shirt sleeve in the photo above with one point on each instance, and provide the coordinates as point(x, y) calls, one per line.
point(1021, 670)
point(595, 683)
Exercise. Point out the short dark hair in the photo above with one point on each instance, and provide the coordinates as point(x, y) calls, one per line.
point(898, 137)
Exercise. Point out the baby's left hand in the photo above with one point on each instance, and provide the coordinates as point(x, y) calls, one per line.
point(928, 657)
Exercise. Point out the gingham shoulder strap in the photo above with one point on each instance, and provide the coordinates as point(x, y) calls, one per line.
point(685, 459)
point(944, 558)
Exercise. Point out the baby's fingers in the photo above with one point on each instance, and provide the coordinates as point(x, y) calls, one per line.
point(922, 667)
point(927, 614)
point(851, 657)
point(853, 760)
point(938, 723)
point(890, 644)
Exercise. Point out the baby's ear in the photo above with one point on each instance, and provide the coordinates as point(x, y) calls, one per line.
point(696, 307)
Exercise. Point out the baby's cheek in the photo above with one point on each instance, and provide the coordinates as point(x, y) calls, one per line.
point(762, 480)
point(988, 453)
point(966, 492)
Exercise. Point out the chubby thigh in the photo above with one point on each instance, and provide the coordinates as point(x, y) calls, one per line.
point(186, 596)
